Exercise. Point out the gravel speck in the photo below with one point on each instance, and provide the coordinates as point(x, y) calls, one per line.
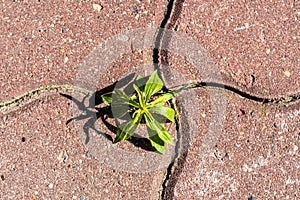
point(135, 9)
point(251, 198)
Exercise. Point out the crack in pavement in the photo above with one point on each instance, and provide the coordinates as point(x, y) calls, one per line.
point(160, 57)
point(264, 100)
point(171, 15)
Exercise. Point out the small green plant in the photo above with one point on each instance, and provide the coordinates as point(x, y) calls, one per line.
point(147, 104)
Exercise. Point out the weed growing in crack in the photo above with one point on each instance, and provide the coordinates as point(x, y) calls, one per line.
point(147, 104)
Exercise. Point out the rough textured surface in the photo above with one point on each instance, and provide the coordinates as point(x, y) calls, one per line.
point(43, 158)
point(254, 44)
point(42, 42)
point(256, 155)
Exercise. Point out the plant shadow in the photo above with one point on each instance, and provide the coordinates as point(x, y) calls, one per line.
point(95, 111)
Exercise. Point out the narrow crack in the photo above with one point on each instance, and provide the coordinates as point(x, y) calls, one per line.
point(174, 169)
point(174, 6)
point(263, 100)
point(169, 171)
point(160, 34)
point(160, 56)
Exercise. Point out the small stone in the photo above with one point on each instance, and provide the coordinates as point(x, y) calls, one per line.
point(287, 73)
point(246, 25)
point(51, 185)
point(251, 198)
point(97, 7)
point(295, 148)
point(135, 9)
point(268, 51)
point(66, 59)
point(88, 154)
point(226, 155)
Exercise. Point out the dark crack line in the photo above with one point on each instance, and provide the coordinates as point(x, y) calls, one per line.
point(291, 98)
point(174, 169)
point(174, 6)
point(160, 34)
point(169, 172)
point(263, 100)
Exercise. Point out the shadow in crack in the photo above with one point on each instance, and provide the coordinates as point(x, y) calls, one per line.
point(97, 109)
point(175, 168)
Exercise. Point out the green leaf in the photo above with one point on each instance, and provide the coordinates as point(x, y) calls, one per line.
point(107, 98)
point(119, 110)
point(158, 128)
point(119, 97)
point(126, 129)
point(139, 77)
point(120, 104)
point(137, 113)
point(121, 135)
point(161, 100)
point(153, 85)
point(141, 82)
point(156, 142)
point(134, 98)
point(167, 112)
point(140, 95)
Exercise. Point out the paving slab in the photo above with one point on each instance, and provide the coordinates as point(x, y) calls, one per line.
point(44, 43)
point(43, 158)
point(256, 155)
point(254, 44)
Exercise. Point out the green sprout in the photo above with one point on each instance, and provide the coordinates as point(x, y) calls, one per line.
point(147, 104)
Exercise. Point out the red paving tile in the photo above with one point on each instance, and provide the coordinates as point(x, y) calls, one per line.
point(43, 158)
point(43, 43)
point(255, 44)
point(255, 156)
